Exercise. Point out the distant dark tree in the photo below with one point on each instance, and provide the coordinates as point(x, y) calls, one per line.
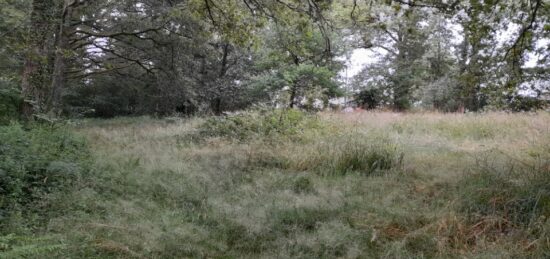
point(369, 98)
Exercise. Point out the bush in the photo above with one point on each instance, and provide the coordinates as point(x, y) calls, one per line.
point(10, 101)
point(370, 98)
point(276, 123)
point(34, 163)
point(527, 103)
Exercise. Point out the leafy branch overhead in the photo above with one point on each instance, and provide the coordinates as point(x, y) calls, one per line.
point(189, 56)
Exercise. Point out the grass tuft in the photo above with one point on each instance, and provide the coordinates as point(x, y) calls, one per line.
point(340, 156)
point(517, 193)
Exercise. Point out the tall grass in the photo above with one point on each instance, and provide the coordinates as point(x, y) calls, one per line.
point(370, 185)
point(518, 192)
point(348, 154)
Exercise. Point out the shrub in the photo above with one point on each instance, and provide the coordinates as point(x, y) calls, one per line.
point(277, 123)
point(527, 103)
point(370, 98)
point(10, 101)
point(35, 163)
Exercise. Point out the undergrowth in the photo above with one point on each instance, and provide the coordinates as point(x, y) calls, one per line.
point(10, 102)
point(507, 198)
point(37, 162)
point(244, 186)
point(265, 124)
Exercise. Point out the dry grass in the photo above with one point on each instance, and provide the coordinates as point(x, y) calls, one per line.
point(161, 193)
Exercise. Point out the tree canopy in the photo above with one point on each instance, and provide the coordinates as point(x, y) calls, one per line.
point(108, 58)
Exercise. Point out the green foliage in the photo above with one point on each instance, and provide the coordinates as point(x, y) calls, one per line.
point(289, 123)
point(440, 95)
point(36, 162)
point(340, 156)
point(526, 103)
point(10, 102)
point(369, 98)
point(14, 16)
point(299, 85)
point(310, 82)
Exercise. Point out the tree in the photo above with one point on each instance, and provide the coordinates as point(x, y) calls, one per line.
point(398, 33)
point(211, 55)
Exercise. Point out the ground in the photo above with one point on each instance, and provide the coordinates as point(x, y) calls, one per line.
point(359, 185)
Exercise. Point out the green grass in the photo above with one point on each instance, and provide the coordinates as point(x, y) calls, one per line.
point(368, 185)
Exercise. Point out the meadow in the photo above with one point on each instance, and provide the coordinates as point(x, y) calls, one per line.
point(286, 184)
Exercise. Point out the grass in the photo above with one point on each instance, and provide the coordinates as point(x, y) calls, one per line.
point(362, 185)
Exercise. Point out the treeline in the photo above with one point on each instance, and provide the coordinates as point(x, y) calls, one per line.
point(107, 58)
point(477, 55)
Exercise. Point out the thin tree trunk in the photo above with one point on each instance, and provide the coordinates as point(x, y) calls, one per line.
point(292, 96)
point(217, 102)
point(294, 87)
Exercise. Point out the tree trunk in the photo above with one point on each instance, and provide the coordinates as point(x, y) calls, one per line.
point(217, 102)
point(29, 87)
point(60, 63)
point(292, 96)
point(35, 77)
point(294, 87)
